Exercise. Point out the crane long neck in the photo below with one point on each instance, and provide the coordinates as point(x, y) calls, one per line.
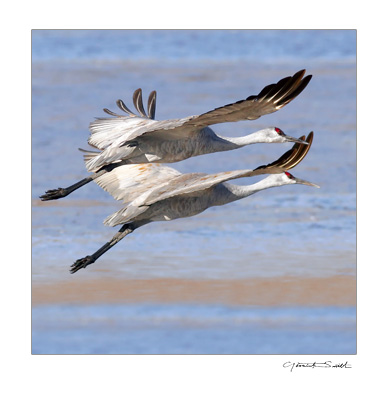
point(237, 192)
point(210, 142)
point(237, 142)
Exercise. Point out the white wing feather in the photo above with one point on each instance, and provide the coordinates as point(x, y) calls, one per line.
point(129, 182)
point(111, 135)
point(105, 131)
point(116, 131)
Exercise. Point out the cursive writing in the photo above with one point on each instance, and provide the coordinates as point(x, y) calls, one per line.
point(328, 364)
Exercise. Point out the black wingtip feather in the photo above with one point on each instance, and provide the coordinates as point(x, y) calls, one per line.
point(137, 101)
point(110, 113)
point(296, 92)
point(292, 157)
point(122, 106)
point(152, 105)
point(266, 90)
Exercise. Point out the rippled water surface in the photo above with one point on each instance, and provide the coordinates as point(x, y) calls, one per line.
point(274, 273)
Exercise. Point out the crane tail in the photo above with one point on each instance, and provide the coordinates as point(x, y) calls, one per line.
point(88, 155)
point(124, 215)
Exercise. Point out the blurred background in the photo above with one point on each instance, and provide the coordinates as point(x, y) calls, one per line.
point(274, 273)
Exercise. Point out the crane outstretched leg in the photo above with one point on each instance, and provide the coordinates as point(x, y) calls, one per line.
point(87, 260)
point(63, 192)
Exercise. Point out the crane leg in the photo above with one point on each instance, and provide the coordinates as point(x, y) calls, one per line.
point(87, 260)
point(63, 192)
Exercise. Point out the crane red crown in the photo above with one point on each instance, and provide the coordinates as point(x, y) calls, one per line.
point(290, 176)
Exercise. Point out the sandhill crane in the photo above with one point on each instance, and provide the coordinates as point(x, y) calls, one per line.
point(156, 192)
point(133, 139)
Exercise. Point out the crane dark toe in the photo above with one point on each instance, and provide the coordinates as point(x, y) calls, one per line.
point(53, 194)
point(81, 263)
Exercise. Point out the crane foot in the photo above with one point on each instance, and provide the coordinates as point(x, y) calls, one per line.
point(54, 194)
point(81, 263)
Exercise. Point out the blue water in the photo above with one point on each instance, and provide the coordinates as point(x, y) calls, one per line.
point(293, 231)
point(194, 45)
point(192, 329)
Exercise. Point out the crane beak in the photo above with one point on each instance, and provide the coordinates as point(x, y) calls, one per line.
point(306, 183)
point(294, 140)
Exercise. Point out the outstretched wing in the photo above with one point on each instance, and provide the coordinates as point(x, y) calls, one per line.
point(193, 182)
point(123, 129)
point(270, 99)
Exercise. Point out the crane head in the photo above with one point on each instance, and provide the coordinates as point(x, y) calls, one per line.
point(290, 179)
point(283, 138)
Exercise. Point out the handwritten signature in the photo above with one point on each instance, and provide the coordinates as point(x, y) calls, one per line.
point(327, 364)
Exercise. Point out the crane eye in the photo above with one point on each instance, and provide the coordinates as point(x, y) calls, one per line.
point(279, 131)
point(290, 176)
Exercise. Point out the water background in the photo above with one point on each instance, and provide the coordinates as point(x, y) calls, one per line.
point(286, 233)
